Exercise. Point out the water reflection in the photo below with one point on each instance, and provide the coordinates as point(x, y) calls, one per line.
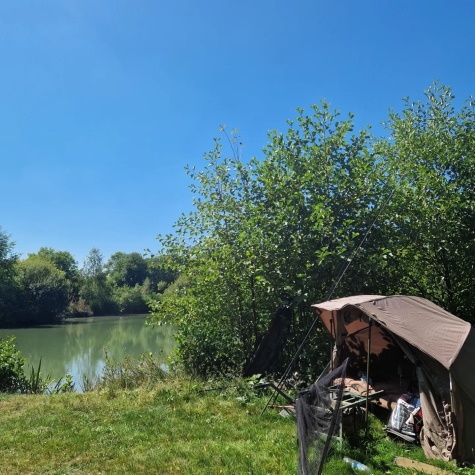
point(79, 346)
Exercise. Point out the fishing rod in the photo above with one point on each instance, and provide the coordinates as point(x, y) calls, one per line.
point(340, 275)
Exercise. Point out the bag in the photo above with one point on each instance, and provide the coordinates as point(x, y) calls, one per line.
point(399, 418)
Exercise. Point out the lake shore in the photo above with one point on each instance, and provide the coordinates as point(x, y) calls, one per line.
point(80, 347)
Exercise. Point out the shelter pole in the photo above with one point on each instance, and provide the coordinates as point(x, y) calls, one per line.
point(331, 343)
point(367, 371)
point(452, 399)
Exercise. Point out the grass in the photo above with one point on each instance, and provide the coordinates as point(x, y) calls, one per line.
point(171, 429)
point(173, 426)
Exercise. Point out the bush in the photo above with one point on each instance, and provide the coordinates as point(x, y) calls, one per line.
point(14, 380)
point(79, 309)
point(12, 376)
point(131, 300)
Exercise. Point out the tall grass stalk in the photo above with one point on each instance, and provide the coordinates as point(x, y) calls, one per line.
point(145, 371)
point(36, 383)
point(39, 384)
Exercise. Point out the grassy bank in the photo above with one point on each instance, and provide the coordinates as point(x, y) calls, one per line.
point(175, 427)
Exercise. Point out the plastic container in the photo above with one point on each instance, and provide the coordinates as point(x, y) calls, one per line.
point(357, 465)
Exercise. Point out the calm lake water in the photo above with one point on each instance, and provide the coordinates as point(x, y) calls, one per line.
point(78, 346)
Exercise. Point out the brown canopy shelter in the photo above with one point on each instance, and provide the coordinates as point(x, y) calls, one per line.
point(414, 342)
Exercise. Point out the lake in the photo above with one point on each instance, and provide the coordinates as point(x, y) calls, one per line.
point(79, 346)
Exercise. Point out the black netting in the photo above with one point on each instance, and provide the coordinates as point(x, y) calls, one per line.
point(318, 420)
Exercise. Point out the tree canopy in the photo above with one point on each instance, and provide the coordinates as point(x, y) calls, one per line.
point(127, 269)
point(44, 291)
point(287, 224)
point(8, 286)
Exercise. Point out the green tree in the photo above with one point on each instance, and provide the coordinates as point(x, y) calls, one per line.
point(290, 222)
point(159, 274)
point(96, 291)
point(64, 261)
point(131, 300)
point(43, 291)
point(126, 269)
point(285, 223)
point(8, 288)
point(430, 222)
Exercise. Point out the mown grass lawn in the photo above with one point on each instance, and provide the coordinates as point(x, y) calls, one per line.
point(176, 427)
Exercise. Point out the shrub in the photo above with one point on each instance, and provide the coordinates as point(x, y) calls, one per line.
point(131, 299)
point(12, 376)
point(79, 309)
point(14, 380)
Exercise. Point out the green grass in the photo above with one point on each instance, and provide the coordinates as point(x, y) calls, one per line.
point(175, 426)
point(372, 447)
point(171, 429)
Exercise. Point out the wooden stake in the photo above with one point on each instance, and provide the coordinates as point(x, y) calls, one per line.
point(419, 466)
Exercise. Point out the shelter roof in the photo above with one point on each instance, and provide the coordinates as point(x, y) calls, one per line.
point(418, 321)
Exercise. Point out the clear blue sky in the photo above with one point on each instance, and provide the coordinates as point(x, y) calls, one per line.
point(103, 103)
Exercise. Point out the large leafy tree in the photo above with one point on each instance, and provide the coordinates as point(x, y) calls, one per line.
point(126, 269)
point(96, 291)
point(430, 223)
point(159, 275)
point(281, 225)
point(292, 221)
point(64, 261)
point(43, 290)
point(8, 288)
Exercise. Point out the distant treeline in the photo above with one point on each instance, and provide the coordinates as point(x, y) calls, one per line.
point(48, 286)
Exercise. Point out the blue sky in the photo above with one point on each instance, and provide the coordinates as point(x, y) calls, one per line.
point(103, 103)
